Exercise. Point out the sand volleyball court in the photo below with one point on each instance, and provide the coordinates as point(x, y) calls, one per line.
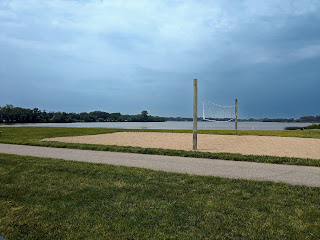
point(249, 145)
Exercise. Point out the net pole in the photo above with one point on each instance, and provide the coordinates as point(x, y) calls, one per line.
point(195, 111)
point(203, 115)
point(236, 117)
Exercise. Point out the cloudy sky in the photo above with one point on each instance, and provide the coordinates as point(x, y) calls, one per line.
point(127, 56)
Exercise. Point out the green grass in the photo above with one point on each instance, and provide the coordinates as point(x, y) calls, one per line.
point(312, 126)
point(43, 198)
point(26, 135)
point(33, 136)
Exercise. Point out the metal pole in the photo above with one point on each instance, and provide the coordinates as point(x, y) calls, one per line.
point(236, 117)
point(203, 116)
point(195, 115)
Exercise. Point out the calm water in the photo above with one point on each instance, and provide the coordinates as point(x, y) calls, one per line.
point(171, 125)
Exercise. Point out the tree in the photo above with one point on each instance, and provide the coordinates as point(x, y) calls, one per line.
point(115, 117)
point(100, 115)
point(144, 116)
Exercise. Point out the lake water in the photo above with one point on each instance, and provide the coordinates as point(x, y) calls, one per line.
point(170, 125)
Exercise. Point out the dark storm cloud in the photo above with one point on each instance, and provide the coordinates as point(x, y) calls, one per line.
point(130, 56)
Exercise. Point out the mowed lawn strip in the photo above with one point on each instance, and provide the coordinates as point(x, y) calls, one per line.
point(33, 136)
point(43, 198)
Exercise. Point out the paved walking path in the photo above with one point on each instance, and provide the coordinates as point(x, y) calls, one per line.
point(298, 175)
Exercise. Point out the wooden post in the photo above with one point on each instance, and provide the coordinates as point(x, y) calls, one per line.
point(195, 113)
point(236, 117)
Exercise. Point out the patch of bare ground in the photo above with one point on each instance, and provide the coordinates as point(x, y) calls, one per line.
point(248, 145)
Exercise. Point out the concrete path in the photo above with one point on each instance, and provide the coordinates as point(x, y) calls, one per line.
point(297, 175)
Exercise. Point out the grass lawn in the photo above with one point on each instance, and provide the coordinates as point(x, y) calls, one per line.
point(43, 198)
point(33, 135)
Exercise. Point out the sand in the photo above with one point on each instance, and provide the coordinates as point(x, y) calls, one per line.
point(248, 145)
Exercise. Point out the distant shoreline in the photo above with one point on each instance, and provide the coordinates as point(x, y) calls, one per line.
point(199, 120)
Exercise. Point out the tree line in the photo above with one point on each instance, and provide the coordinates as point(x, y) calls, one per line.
point(11, 114)
point(309, 119)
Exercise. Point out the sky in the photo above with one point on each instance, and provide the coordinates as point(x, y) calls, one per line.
point(127, 56)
